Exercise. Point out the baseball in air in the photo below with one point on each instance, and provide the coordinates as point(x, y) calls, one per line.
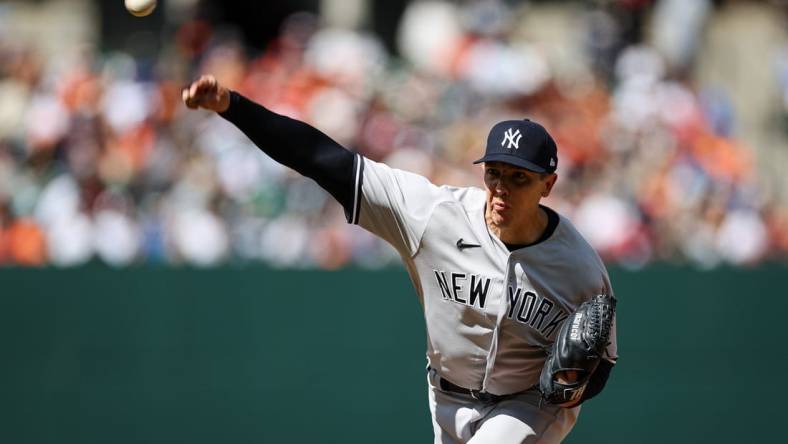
point(140, 8)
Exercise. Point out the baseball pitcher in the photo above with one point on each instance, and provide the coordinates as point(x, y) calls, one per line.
point(519, 309)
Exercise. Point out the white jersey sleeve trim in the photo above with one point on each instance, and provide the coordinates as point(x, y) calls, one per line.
point(359, 181)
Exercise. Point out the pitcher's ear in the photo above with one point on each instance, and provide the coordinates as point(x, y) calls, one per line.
point(549, 182)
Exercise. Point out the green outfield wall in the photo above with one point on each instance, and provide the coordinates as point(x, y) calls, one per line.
point(254, 355)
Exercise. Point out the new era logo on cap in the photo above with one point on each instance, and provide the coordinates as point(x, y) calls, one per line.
point(522, 143)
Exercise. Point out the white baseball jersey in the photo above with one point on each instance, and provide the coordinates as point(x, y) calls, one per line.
point(490, 313)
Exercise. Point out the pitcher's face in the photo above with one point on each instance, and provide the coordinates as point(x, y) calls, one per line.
point(513, 193)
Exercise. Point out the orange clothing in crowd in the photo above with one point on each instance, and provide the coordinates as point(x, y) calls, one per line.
point(3, 247)
point(24, 243)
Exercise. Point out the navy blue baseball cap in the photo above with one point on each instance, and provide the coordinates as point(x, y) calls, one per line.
point(522, 143)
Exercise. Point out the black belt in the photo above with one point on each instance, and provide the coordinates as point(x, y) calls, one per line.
point(448, 386)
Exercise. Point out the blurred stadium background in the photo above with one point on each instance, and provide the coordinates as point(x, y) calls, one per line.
point(671, 118)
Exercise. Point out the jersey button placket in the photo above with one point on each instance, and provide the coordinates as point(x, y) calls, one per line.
point(503, 306)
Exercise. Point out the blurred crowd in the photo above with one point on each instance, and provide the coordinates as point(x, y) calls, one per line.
point(100, 160)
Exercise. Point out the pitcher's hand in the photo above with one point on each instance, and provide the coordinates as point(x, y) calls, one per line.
point(207, 93)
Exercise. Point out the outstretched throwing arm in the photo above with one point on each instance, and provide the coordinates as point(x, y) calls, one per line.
point(290, 142)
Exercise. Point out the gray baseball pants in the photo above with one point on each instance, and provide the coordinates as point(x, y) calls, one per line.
point(461, 419)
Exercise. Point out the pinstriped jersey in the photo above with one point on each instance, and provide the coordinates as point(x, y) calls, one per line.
point(490, 313)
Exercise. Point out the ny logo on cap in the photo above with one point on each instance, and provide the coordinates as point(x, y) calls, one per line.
point(513, 138)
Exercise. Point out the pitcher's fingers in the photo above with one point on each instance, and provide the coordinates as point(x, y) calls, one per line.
point(193, 89)
point(206, 84)
point(188, 99)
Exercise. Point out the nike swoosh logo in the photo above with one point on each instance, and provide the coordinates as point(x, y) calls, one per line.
point(461, 245)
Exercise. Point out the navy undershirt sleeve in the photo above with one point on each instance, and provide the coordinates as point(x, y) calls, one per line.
point(297, 145)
